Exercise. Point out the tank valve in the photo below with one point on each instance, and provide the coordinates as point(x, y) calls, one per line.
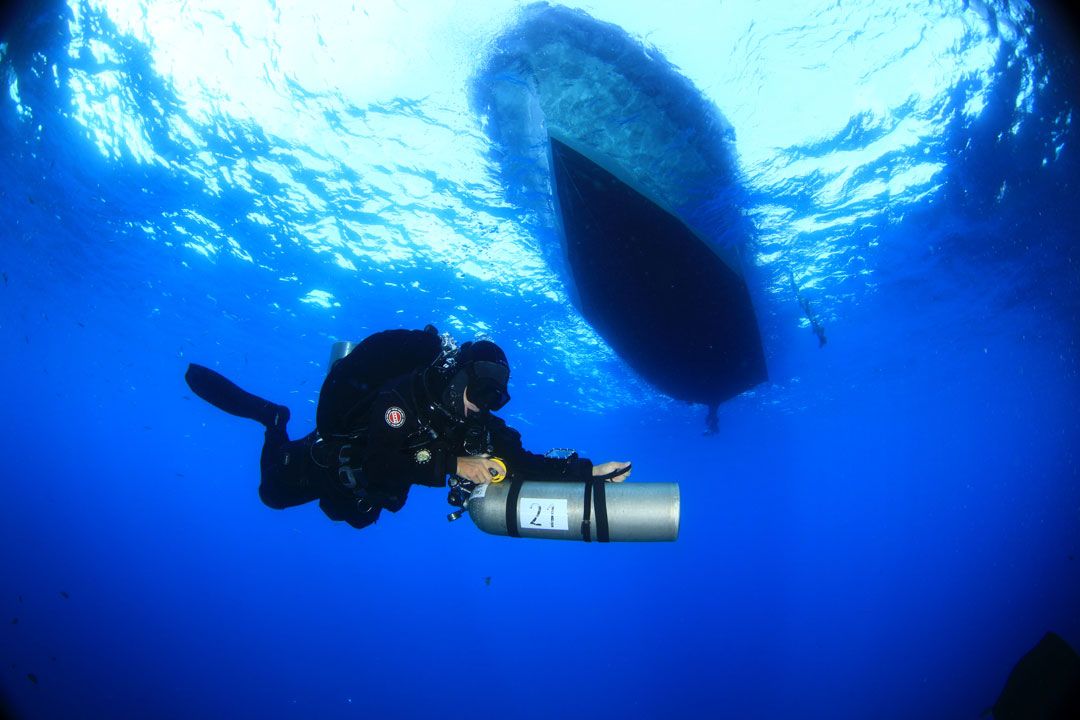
point(460, 492)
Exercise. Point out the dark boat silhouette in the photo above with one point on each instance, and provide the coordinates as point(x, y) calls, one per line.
point(665, 301)
point(597, 137)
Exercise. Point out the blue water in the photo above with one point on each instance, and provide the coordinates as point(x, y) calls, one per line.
point(881, 530)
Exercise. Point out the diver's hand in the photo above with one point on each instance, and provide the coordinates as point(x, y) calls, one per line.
point(478, 469)
point(610, 467)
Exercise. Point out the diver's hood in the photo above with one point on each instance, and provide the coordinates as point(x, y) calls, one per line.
point(481, 367)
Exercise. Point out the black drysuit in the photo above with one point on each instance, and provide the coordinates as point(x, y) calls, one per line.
point(372, 444)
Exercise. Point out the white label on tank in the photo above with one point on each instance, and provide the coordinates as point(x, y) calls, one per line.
point(480, 491)
point(543, 514)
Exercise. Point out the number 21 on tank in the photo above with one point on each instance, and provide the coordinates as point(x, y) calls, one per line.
point(544, 514)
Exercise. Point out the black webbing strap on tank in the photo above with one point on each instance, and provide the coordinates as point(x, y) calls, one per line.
point(596, 491)
point(586, 533)
point(600, 489)
point(511, 508)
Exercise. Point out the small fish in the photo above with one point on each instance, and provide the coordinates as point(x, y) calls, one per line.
point(79, 324)
point(64, 595)
point(15, 621)
point(5, 278)
point(31, 677)
point(487, 580)
point(20, 598)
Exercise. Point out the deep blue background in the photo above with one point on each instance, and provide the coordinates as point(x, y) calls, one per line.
point(882, 532)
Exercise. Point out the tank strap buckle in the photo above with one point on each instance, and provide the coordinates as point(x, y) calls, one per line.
point(347, 476)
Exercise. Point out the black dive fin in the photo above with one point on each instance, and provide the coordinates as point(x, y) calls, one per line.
point(226, 395)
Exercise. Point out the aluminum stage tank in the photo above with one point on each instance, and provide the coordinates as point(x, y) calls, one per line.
point(618, 512)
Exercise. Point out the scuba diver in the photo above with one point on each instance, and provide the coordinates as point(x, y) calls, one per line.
point(403, 408)
point(808, 312)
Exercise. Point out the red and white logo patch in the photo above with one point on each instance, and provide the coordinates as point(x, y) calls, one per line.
point(395, 417)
